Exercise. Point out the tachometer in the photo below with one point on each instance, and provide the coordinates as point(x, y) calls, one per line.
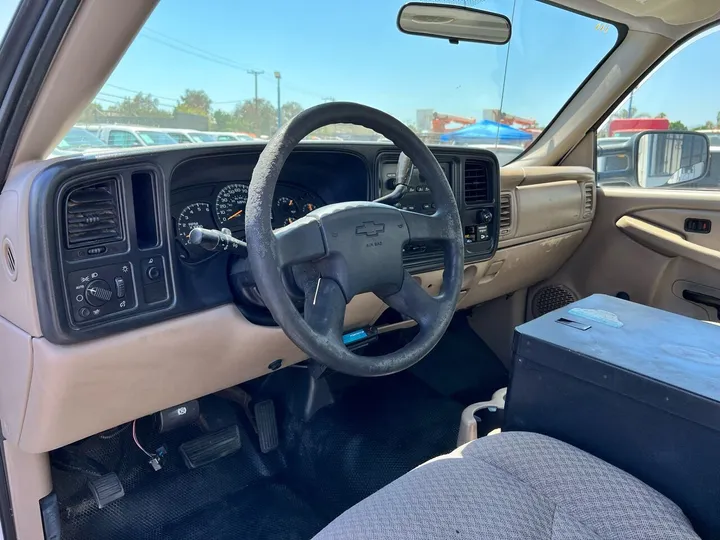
point(230, 206)
point(194, 215)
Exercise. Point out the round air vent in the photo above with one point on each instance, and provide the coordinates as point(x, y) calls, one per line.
point(551, 297)
point(9, 261)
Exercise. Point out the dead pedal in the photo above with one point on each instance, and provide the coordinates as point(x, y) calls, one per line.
point(266, 425)
point(106, 489)
point(213, 446)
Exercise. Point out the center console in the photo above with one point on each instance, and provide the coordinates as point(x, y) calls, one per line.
point(474, 180)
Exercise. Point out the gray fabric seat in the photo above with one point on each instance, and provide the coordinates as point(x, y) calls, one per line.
point(514, 486)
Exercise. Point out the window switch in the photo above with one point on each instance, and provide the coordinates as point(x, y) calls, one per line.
point(700, 226)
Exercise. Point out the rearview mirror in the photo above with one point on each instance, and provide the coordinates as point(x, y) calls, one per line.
point(456, 23)
point(668, 158)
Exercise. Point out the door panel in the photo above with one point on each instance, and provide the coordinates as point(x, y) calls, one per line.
point(638, 245)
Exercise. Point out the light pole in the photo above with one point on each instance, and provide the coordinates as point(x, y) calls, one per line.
point(279, 110)
point(255, 74)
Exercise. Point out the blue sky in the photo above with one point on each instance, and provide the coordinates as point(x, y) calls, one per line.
point(353, 51)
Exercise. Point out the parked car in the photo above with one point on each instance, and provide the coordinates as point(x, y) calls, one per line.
point(130, 136)
point(190, 135)
point(227, 136)
point(78, 140)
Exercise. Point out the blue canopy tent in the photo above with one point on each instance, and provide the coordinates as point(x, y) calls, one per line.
point(487, 132)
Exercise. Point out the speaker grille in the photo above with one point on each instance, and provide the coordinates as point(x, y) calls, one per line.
point(550, 298)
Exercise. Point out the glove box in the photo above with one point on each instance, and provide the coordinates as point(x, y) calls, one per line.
point(635, 386)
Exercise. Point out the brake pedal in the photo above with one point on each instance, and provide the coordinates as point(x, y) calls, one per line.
point(211, 447)
point(266, 425)
point(106, 489)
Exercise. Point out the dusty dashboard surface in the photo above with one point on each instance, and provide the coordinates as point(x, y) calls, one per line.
point(114, 231)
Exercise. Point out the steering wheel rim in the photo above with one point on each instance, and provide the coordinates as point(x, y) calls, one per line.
point(345, 249)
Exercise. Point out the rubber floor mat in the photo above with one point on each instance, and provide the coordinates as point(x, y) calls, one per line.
point(267, 510)
point(377, 430)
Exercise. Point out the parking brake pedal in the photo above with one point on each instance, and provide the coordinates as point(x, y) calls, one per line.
point(266, 425)
point(106, 489)
point(211, 447)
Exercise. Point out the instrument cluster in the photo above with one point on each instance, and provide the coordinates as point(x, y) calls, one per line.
point(222, 206)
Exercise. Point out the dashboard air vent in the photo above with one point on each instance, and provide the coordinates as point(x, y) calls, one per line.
point(477, 188)
point(588, 199)
point(505, 213)
point(9, 256)
point(92, 214)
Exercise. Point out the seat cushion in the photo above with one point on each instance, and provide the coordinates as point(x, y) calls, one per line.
point(514, 486)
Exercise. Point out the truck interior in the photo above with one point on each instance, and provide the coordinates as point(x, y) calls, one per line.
point(328, 331)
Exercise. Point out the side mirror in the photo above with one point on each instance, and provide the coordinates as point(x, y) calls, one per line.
point(669, 158)
point(456, 23)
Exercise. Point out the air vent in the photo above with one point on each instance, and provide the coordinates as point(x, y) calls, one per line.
point(505, 213)
point(9, 258)
point(92, 214)
point(477, 189)
point(588, 199)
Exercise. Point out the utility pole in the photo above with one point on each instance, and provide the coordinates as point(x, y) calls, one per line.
point(255, 74)
point(279, 110)
point(630, 114)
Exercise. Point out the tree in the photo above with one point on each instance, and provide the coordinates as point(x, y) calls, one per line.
point(256, 116)
point(194, 102)
point(224, 121)
point(290, 110)
point(93, 113)
point(678, 126)
point(623, 113)
point(708, 125)
point(662, 115)
point(138, 105)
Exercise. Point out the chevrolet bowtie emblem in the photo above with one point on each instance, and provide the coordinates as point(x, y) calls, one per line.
point(370, 228)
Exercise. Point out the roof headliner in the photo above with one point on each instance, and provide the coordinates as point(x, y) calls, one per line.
point(670, 18)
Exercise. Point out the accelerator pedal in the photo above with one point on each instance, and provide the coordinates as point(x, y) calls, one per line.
point(106, 489)
point(211, 447)
point(266, 425)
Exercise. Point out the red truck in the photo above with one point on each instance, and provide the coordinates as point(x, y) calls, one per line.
point(627, 126)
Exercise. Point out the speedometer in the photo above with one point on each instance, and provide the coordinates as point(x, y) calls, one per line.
point(230, 206)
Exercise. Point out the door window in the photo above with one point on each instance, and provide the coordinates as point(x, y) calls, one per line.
point(7, 12)
point(669, 99)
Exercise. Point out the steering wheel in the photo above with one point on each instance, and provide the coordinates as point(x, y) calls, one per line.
point(341, 250)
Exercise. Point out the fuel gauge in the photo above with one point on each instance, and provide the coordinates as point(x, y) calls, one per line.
point(308, 207)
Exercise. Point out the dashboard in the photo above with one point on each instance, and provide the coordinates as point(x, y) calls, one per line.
point(101, 305)
point(114, 229)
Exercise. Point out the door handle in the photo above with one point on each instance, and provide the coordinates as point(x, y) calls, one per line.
point(704, 299)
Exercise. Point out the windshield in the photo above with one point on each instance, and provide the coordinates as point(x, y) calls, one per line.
point(243, 62)
point(152, 138)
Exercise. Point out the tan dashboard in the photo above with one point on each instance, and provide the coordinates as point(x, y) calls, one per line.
point(51, 395)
